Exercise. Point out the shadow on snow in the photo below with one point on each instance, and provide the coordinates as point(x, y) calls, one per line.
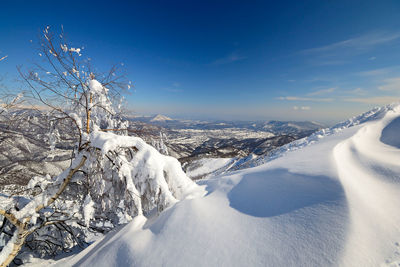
point(278, 191)
point(390, 134)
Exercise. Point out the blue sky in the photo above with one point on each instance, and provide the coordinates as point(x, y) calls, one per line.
point(286, 60)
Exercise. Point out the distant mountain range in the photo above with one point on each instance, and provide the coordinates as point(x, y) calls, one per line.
point(273, 126)
point(190, 141)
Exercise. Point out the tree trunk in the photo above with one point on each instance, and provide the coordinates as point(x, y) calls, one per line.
point(19, 242)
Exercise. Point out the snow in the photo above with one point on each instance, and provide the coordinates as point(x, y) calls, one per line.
point(369, 173)
point(159, 165)
point(88, 210)
point(331, 201)
point(8, 248)
point(205, 166)
point(390, 133)
point(76, 50)
point(29, 210)
point(95, 87)
point(64, 48)
point(152, 180)
point(374, 114)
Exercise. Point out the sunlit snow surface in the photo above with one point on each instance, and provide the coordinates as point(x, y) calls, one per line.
point(334, 202)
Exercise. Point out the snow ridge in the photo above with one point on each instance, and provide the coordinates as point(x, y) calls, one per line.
point(374, 114)
point(372, 194)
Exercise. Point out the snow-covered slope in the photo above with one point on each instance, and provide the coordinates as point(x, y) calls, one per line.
point(202, 167)
point(334, 202)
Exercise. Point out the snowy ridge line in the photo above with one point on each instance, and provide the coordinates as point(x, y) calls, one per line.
point(374, 114)
point(371, 194)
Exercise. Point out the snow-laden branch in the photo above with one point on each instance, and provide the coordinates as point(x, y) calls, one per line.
point(25, 219)
point(47, 197)
point(142, 178)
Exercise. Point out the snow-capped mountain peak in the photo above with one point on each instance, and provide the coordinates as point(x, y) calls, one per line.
point(160, 118)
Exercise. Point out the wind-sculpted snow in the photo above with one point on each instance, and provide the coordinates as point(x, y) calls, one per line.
point(390, 134)
point(333, 203)
point(369, 171)
point(239, 163)
point(287, 191)
point(374, 114)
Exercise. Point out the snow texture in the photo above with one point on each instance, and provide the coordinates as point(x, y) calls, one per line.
point(374, 114)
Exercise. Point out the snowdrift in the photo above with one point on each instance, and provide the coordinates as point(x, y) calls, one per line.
point(334, 202)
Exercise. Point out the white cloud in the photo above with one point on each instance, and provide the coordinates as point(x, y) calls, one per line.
point(302, 108)
point(174, 88)
point(322, 91)
point(330, 62)
point(233, 57)
point(372, 58)
point(357, 91)
point(391, 84)
point(377, 100)
point(296, 98)
point(377, 72)
point(362, 42)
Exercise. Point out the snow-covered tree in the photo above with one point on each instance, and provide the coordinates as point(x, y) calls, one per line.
point(112, 177)
point(159, 144)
